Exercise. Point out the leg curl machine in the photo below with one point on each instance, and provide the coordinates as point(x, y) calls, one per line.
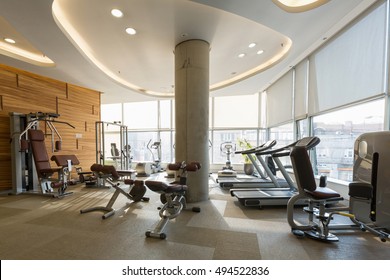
point(109, 174)
point(172, 196)
point(320, 200)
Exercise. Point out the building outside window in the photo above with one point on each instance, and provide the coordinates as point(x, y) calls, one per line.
point(338, 131)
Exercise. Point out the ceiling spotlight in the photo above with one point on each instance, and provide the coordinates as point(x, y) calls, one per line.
point(9, 40)
point(131, 31)
point(117, 13)
point(241, 55)
point(251, 45)
point(260, 51)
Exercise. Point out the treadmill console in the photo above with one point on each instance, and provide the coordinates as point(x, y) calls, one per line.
point(308, 142)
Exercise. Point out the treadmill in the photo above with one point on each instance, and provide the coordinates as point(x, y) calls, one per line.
point(276, 196)
point(261, 177)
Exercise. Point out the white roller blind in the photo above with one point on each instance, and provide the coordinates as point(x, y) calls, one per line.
point(236, 111)
point(279, 100)
point(350, 67)
point(301, 90)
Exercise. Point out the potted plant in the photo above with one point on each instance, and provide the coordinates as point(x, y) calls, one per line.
point(248, 166)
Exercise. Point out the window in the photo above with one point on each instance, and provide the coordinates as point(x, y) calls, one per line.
point(165, 113)
point(140, 145)
point(141, 115)
point(111, 113)
point(338, 131)
point(302, 129)
point(284, 135)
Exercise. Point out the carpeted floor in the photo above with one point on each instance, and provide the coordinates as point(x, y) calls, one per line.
point(45, 228)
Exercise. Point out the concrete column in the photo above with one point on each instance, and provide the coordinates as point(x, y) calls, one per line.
point(192, 113)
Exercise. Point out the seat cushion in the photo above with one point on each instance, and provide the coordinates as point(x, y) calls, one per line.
point(323, 193)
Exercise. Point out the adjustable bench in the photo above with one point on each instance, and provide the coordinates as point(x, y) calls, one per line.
point(109, 174)
point(172, 195)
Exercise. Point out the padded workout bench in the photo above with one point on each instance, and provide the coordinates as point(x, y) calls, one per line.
point(172, 196)
point(109, 174)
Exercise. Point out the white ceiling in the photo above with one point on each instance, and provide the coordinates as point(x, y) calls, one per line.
point(145, 61)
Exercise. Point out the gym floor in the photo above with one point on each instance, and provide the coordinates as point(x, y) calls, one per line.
point(45, 228)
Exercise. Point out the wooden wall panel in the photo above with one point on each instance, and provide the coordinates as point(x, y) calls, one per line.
point(8, 79)
point(24, 92)
point(5, 156)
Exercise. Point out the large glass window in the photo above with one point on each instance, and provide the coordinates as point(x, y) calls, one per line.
point(338, 131)
point(302, 129)
point(165, 113)
point(141, 115)
point(167, 149)
point(111, 112)
point(141, 145)
point(284, 135)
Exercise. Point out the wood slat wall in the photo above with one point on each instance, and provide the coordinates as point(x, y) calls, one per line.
point(24, 92)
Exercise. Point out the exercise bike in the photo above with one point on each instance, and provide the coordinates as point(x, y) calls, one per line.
point(321, 199)
point(227, 148)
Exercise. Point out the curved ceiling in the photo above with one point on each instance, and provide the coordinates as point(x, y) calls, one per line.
point(17, 46)
point(145, 61)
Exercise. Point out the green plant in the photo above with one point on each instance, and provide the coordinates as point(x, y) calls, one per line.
point(245, 145)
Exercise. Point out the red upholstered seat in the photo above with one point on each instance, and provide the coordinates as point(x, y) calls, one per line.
point(41, 158)
point(162, 187)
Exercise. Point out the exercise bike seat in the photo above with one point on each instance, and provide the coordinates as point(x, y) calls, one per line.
point(162, 187)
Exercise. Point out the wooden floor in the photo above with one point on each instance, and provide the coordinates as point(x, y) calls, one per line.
point(34, 227)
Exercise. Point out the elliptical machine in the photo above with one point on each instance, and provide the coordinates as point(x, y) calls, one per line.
point(227, 148)
point(156, 155)
point(369, 199)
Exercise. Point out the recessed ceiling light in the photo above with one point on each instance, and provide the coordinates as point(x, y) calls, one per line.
point(296, 6)
point(260, 51)
point(117, 13)
point(251, 45)
point(131, 31)
point(9, 40)
point(241, 55)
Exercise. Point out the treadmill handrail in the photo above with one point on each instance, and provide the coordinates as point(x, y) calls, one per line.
point(267, 145)
point(308, 142)
point(274, 151)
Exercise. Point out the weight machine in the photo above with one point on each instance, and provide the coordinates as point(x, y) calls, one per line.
point(30, 162)
point(121, 154)
point(368, 209)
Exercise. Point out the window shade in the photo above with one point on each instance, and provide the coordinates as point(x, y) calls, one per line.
point(279, 100)
point(350, 67)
